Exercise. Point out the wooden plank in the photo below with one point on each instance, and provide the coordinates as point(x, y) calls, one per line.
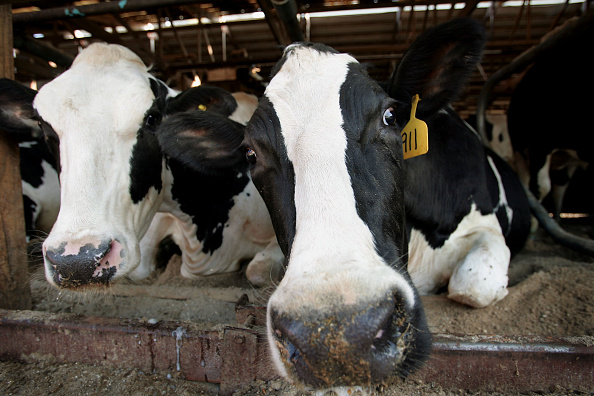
point(14, 288)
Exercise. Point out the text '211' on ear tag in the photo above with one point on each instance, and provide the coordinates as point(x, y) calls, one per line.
point(415, 134)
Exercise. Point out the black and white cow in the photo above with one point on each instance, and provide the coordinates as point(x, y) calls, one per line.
point(549, 120)
point(351, 214)
point(41, 188)
point(100, 119)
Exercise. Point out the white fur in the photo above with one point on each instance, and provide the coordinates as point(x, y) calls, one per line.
point(246, 105)
point(509, 212)
point(474, 260)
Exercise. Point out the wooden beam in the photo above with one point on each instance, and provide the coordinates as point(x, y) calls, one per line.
point(15, 292)
point(468, 8)
point(110, 7)
point(276, 25)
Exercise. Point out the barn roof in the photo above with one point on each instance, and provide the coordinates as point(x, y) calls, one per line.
point(234, 43)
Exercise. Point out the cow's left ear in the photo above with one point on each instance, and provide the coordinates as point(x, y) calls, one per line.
point(203, 97)
point(438, 64)
point(17, 116)
point(204, 141)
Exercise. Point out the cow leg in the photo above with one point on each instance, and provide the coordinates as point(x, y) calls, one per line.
point(161, 227)
point(480, 279)
point(266, 268)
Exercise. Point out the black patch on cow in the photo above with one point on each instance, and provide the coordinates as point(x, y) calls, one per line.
point(207, 199)
point(29, 207)
point(52, 143)
point(167, 248)
point(147, 160)
point(145, 165)
point(375, 163)
point(32, 156)
point(273, 172)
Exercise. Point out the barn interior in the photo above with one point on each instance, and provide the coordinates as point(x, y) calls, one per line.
point(235, 43)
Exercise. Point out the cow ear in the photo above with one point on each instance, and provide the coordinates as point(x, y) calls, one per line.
point(438, 65)
point(203, 97)
point(204, 141)
point(17, 116)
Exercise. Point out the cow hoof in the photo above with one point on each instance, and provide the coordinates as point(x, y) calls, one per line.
point(480, 280)
point(264, 270)
point(478, 290)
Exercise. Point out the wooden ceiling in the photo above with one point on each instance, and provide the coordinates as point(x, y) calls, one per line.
point(208, 39)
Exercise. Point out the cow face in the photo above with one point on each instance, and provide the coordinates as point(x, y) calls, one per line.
point(326, 152)
point(327, 158)
point(101, 117)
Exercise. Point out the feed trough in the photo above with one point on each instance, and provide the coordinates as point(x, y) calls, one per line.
point(235, 356)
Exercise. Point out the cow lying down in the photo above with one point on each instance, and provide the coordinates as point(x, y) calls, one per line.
point(100, 119)
point(363, 229)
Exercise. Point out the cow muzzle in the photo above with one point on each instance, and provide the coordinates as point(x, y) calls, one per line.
point(357, 345)
point(74, 265)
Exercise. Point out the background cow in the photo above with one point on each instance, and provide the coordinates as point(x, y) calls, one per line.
point(41, 189)
point(99, 119)
point(326, 149)
point(549, 122)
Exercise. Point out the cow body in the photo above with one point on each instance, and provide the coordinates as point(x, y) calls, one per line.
point(549, 122)
point(100, 119)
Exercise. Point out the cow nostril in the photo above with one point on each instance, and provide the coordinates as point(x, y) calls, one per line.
point(390, 340)
point(289, 352)
point(72, 264)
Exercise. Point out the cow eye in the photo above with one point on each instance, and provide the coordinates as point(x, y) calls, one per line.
point(152, 120)
point(251, 156)
point(389, 116)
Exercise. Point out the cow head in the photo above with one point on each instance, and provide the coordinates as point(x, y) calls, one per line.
point(100, 118)
point(326, 152)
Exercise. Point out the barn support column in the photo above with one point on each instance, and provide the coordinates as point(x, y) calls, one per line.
point(14, 286)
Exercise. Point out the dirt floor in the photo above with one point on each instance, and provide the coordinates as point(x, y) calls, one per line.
point(551, 293)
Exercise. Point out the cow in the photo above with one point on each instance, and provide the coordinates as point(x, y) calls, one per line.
point(351, 215)
point(548, 120)
point(99, 119)
point(39, 176)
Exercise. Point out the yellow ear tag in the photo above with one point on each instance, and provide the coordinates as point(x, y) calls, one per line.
point(202, 107)
point(415, 134)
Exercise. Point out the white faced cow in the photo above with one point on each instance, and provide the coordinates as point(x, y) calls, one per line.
point(326, 149)
point(100, 117)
